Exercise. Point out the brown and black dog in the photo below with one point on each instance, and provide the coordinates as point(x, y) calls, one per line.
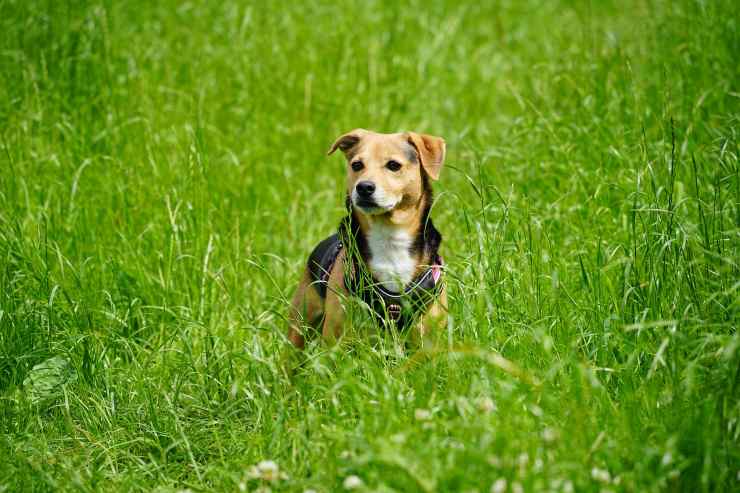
point(387, 238)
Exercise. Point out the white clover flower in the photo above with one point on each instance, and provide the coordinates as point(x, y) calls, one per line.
point(352, 482)
point(486, 404)
point(523, 460)
point(498, 486)
point(454, 444)
point(517, 488)
point(422, 415)
point(601, 475)
point(549, 435)
point(398, 438)
point(667, 459)
point(266, 470)
point(494, 460)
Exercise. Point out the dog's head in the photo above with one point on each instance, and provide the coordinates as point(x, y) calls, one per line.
point(387, 171)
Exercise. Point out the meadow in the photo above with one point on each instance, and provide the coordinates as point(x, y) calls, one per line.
point(163, 176)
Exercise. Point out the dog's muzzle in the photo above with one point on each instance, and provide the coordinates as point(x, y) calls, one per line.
point(364, 192)
point(371, 199)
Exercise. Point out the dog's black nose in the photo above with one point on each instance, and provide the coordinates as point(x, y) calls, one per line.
point(365, 189)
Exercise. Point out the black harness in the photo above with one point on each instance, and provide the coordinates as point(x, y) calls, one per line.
point(401, 308)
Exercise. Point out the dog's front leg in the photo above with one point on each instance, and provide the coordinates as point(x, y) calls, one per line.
point(333, 309)
point(305, 309)
point(433, 322)
point(333, 318)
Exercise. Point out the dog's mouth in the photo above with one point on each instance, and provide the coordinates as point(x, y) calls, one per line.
point(366, 204)
point(377, 203)
point(371, 207)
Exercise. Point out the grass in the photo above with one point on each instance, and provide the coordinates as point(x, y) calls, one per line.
point(164, 178)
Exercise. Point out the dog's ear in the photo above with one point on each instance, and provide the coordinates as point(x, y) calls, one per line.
point(431, 151)
point(347, 141)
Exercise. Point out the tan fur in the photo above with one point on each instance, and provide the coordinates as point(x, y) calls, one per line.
point(306, 309)
point(417, 154)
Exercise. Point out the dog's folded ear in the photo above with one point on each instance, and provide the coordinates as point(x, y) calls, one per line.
point(431, 152)
point(347, 141)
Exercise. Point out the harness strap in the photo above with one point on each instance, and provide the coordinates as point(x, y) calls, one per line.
point(400, 307)
point(321, 261)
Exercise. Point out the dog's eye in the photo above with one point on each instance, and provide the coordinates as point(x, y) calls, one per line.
point(357, 165)
point(393, 165)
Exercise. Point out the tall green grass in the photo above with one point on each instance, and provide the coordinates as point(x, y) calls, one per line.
point(163, 179)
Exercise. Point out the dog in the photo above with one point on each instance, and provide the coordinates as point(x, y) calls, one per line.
point(386, 250)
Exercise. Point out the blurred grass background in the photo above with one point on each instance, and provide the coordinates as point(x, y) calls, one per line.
point(163, 178)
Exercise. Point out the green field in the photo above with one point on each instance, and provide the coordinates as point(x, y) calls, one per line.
point(163, 177)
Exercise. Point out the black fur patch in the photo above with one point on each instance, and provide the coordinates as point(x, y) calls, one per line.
point(348, 142)
point(428, 238)
point(411, 154)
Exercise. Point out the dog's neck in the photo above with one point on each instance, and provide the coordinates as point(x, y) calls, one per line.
point(397, 246)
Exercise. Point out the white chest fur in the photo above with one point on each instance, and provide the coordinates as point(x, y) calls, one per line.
point(391, 262)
